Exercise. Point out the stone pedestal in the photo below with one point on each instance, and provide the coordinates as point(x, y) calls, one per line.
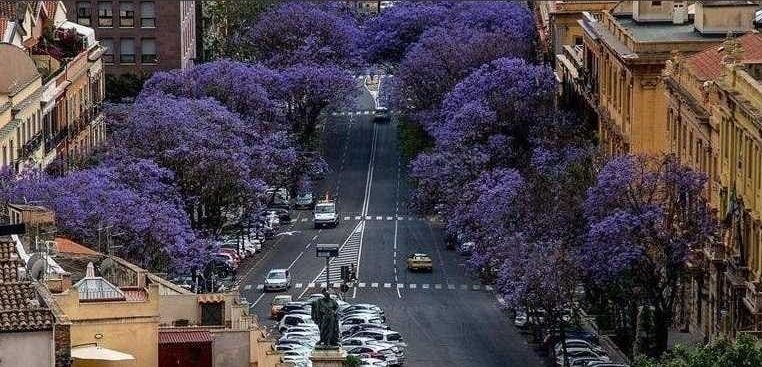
point(328, 357)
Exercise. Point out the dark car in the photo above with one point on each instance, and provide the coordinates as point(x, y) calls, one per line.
point(381, 114)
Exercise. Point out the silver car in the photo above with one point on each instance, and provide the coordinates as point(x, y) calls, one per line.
point(278, 280)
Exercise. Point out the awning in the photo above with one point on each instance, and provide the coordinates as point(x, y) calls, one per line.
point(96, 352)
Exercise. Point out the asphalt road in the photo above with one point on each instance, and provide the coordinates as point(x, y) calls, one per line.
point(446, 317)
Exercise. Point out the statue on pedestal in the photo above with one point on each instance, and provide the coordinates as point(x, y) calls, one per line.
point(324, 315)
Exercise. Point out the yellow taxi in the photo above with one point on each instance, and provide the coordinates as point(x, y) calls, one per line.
point(420, 262)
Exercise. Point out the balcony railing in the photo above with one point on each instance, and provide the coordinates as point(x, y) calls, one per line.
point(753, 297)
point(31, 146)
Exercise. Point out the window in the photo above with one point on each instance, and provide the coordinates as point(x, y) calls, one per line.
point(578, 41)
point(148, 51)
point(127, 51)
point(108, 54)
point(656, 3)
point(126, 14)
point(84, 13)
point(105, 14)
point(147, 14)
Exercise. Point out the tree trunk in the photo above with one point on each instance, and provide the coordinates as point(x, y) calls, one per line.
point(662, 323)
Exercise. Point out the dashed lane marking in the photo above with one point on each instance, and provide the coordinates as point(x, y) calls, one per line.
point(387, 285)
point(374, 285)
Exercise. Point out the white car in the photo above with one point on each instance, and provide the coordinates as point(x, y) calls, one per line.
point(316, 296)
point(295, 320)
point(577, 343)
point(361, 341)
point(277, 280)
point(361, 307)
point(347, 322)
point(386, 336)
point(375, 351)
point(579, 353)
point(301, 334)
point(374, 362)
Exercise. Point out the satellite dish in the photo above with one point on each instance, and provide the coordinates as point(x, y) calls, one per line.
point(35, 267)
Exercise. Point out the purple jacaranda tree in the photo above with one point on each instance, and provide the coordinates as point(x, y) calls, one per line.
point(646, 216)
point(387, 36)
point(135, 199)
point(303, 33)
point(308, 91)
point(220, 164)
point(444, 55)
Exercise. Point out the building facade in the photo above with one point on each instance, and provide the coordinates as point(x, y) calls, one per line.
point(558, 21)
point(715, 125)
point(140, 37)
point(61, 118)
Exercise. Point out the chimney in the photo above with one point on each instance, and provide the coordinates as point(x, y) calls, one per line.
point(680, 12)
point(90, 273)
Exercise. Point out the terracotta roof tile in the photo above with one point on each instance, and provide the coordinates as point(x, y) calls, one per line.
point(68, 246)
point(185, 336)
point(21, 308)
point(707, 64)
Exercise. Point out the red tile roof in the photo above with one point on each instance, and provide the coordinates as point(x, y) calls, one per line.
point(21, 308)
point(68, 246)
point(185, 336)
point(707, 64)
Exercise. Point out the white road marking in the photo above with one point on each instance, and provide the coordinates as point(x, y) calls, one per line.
point(368, 217)
point(374, 285)
point(257, 300)
point(260, 287)
point(346, 218)
point(413, 286)
point(314, 237)
point(389, 218)
point(400, 285)
point(298, 285)
point(450, 286)
point(322, 285)
point(379, 218)
point(361, 285)
point(357, 217)
point(304, 219)
point(399, 295)
point(247, 287)
point(400, 218)
point(487, 287)
point(425, 286)
point(437, 286)
point(295, 260)
point(354, 292)
point(476, 287)
point(311, 285)
point(387, 285)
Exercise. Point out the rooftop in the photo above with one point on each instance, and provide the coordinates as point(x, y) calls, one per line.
point(660, 31)
point(21, 307)
point(185, 336)
point(707, 65)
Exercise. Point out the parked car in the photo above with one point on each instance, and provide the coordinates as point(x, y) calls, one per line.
point(346, 323)
point(297, 307)
point(294, 320)
point(365, 307)
point(228, 259)
point(277, 304)
point(373, 362)
point(375, 351)
point(386, 336)
point(284, 215)
point(277, 280)
point(305, 200)
point(584, 361)
point(420, 262)
point(361, 341)
point(579, 353)
point(577, 343)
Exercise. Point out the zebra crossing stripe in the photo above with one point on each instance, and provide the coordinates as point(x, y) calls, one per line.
point(298, 285)
point(412, 286)
point(346, 218)
point(389, 218)
point(362, 285)
point(425, 286)
point(400, 285)
point(379, 217)
point(357, 217)
point(247, 287)
point(368, 217)
point(400, 218)
point(437, 286)
point(387, 285)
point(260, 286)
point(374, 285)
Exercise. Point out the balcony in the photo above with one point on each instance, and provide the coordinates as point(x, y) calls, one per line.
point(34, 143)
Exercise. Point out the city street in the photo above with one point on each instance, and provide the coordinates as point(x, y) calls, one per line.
point(446, 317)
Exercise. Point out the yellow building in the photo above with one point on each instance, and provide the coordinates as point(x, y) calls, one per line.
point(617, 72)
point(20, 91)
point(715, 125)
point(559, 24)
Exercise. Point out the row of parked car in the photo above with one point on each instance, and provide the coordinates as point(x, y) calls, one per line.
point(363, 328)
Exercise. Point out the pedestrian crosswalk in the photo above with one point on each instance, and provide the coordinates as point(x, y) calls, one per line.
point(359, 112)
point(349, 255)
point(388, 218)
point(379, 285)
